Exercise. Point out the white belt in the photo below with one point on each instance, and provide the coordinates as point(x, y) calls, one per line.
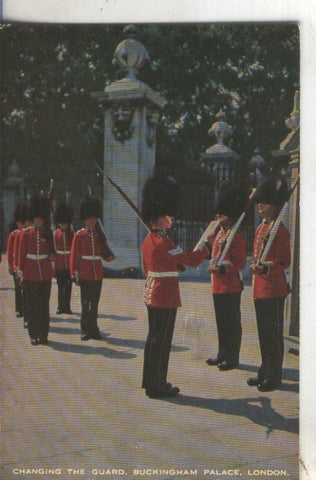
point(63, 252)
point(162, 274)
point(91, 257)
point(36, 257)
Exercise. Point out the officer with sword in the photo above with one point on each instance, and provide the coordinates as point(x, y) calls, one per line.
point(162, 260)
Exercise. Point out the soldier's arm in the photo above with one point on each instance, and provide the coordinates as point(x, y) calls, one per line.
point(74, 259)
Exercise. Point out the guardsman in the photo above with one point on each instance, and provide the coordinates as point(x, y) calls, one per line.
point(161, 260)
point(16, 247)
point(63, 240)
point(226, 282)
point(19, 219)
point(269, 283)
point(36, 251)
point(89, 249)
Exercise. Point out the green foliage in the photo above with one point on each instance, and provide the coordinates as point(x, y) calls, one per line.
point(53, 128)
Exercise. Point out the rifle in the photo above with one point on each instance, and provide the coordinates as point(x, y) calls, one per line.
point(234, 229)
point(108, 254)
point(51, 201)
point(271, 234)
point(212, 228)
point(131, 204)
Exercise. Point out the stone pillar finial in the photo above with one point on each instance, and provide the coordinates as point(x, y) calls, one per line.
point(220, 129)
point(130, 54)
point(293, 122)
point(257, 167)
point(14, 170)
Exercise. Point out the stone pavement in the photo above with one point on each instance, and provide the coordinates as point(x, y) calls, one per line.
point(75, 410)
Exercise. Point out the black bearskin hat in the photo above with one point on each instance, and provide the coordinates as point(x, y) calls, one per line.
point(90, 207)
point(230, 201)
point(273, 190)
point(20, 213)
point(160, 195)
point(64, 213)
point(39, 206)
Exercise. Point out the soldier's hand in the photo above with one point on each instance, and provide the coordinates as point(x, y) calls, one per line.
point(213, 268)
point(211, 238)
point(256, 269)
point(180, 268)
point(110, 258)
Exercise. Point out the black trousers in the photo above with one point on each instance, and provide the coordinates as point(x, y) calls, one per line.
point(25, 299)
point(38, 295)
point(228, 322)
point(64, 290)
point(270, 322)
point(161, 323)
point(18, 295)
point(90, 291)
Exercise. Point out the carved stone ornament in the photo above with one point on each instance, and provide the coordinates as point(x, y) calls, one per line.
point(152, 118)
point(293, 122)
point(122, 116)
point(130, 54)
point(220, 129)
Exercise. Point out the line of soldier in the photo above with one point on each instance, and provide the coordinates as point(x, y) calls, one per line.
point(33, 250)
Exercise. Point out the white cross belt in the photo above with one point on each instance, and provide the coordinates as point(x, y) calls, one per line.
point(36, 257)
point(91, 257)
point(162, 274)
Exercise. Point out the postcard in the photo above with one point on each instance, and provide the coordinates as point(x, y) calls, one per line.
point(197, 98)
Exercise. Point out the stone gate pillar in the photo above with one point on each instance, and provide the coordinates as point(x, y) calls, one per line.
point(219, 157)
point(291, 144)
point(131, 116)
point(287, 158)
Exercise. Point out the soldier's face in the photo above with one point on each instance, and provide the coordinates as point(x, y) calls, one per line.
point(38, 221)
point(90, 222)
point(266, 210)
point(169, 220)
point(224, 220)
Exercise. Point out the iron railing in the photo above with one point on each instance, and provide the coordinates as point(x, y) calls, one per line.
point(189, 232)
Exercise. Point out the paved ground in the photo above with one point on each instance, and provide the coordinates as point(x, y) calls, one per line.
point(75, 409)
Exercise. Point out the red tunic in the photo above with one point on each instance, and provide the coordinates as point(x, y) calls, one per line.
point(34, 262)
point(10, 250)
point(272, 284)
point(86, 255)
point(63, 241)
point(234, 261)
point(160, 258)
point(16, 246)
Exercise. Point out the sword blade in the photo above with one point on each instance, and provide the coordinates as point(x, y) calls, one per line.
point(129, 201)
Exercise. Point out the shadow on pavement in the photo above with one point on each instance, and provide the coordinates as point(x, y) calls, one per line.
point(116, 317)
point(61, 319)
point(140, 344)
point(291, 374)
point(256, 409)
point(66, 330)
point(89, 350)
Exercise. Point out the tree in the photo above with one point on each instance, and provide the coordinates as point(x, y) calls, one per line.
point(53, 128)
